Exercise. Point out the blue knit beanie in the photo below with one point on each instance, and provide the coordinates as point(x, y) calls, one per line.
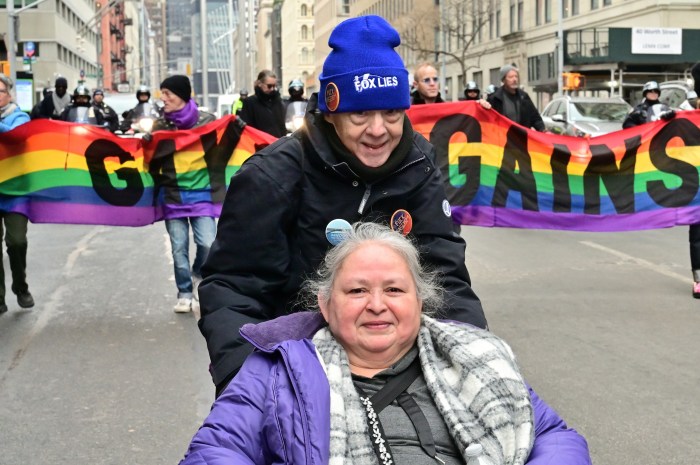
point(363, 72)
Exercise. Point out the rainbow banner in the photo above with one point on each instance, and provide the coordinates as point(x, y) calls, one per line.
point(57, 172)
point(499, 174)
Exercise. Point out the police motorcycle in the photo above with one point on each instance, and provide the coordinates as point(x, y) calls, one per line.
point(138, 122)
point(81, 111)
point(295, 106)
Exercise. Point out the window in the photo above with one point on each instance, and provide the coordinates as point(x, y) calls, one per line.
point(446, 92)
point(575, 7)
point(344, 7)
point(304, 10)
point(564, 8)
point(594, 4)
point(478, 77)
point(547, 11)
point(304, 55)
point(512, 16)
point(493, 76)
point(607, 2)
point(498, 21)
point(520, 15)
point(538, 12)
point(304, 32)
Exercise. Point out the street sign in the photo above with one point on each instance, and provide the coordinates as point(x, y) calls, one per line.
point(29, 49)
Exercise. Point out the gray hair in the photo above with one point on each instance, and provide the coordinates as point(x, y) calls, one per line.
point(428, 289)
point(7, 81)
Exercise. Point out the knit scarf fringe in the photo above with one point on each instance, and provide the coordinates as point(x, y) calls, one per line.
point(475, 383)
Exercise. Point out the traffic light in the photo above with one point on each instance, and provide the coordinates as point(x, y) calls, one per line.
point(5, 67)
point(574, 81)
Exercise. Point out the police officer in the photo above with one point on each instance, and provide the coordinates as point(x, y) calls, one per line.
point(472, 92)
point(109, 116)
point(650, 109)
point(80, 110)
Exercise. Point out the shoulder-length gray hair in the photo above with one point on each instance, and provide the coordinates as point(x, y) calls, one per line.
point(429, 291)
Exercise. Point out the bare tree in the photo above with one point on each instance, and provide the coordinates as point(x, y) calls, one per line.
point(454, 30)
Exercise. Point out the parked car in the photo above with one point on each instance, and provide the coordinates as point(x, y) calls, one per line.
point(585, 116)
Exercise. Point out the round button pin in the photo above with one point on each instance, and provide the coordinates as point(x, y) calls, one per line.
point(337, 230)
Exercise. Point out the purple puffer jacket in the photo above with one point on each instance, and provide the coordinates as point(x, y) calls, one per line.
point(277, 409)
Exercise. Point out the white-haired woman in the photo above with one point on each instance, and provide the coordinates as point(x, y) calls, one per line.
point(374, 379)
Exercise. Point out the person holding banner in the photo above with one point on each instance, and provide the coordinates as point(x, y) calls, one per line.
point(356, 158)
point(15, 224)
point(180, 112)
point(513, 102)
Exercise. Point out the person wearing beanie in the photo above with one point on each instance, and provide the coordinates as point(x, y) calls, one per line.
point(15, 224)
point(513, 102)
point(264, 110)
point(356, 158)
point(180, 112)
point(53, 105)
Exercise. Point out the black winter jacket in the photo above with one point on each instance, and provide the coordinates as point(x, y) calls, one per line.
point(271, 234)
point(265, 112)
point(529, 116)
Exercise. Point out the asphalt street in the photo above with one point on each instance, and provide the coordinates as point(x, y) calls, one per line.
point(102, 371)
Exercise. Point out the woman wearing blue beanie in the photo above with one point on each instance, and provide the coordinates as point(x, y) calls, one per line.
point(356, 158)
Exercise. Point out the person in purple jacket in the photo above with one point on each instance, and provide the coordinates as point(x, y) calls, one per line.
point(373, 378)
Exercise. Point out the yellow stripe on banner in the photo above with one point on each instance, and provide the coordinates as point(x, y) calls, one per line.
point(188, 160)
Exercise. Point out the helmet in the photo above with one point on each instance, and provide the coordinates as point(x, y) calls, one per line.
point(296, 88)
point(649, 86)
point(97, 92)
point(471, 87)
point(81, 90)
point(244, 92)
point(490, 89)
point(143, 90)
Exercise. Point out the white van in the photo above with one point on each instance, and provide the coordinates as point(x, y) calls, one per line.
point(224, 103)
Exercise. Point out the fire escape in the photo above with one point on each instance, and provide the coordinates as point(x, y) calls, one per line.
point(119, 48)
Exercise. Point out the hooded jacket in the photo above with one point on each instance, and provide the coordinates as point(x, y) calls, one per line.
point(272, 233)
point(277, 410)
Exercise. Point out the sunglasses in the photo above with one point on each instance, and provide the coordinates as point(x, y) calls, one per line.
point(428, 80)
point(270, 86)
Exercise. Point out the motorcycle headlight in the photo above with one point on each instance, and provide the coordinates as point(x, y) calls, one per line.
point(146, 125)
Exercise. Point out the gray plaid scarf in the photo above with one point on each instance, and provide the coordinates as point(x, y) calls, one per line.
point(475, 383)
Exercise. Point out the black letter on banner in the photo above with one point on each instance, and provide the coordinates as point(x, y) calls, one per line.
point(507, 179)
point(683, 195)
point(95, 156)
point(619, 183)
point(162, 169)
point(469, 165)
point(560, 178)
point(217, 156)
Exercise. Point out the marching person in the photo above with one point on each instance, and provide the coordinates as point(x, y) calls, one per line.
point(264, 109)
point(355, 158)
point(513, 102)
point(15, 224)
point(180, 112)
point(54, 103)
point(375, 378)
point(426, 85)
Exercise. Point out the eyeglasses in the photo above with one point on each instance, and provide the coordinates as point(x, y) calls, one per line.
point(428, 80)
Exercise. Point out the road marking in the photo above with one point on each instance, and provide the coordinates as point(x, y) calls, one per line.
point(50, 308)
point(660, 269)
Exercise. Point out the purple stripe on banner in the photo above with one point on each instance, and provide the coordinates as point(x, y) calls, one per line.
point(195, 209)
point(509, 218)
point(68, 213)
